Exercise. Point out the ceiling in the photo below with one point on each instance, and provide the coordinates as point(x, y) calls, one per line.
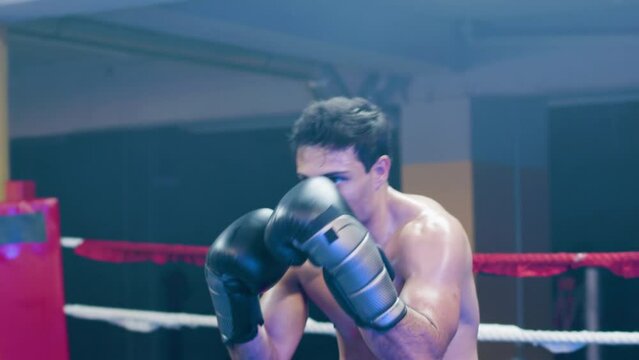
point(405, 35)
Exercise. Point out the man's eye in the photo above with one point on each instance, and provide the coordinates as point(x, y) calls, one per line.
point(337, 179)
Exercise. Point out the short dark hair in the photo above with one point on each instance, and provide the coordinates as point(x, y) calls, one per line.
point(339, 123)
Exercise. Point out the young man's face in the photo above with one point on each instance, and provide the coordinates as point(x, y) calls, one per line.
point(345, 169)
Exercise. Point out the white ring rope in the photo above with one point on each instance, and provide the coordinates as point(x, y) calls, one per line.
point(554, 341)
point(71, 242)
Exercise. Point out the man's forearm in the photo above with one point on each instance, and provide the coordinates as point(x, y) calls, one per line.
point(258, 348)
point(415, 337)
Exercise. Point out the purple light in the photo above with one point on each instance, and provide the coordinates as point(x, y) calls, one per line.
point(10, 251)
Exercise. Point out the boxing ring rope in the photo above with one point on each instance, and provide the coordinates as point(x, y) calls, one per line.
point(555, 341)
point(624, 264)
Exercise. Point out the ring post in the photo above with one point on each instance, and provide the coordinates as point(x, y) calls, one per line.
point(33, 323)
point(592, 309)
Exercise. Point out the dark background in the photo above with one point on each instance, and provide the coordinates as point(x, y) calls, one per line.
point(594, 153)
point(555, 177)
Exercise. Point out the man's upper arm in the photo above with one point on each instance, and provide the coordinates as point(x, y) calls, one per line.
point(285, 311)
point(435, 260)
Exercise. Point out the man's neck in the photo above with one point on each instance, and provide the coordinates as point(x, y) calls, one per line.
point(381, 221)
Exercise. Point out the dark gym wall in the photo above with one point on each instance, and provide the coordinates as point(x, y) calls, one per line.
point(573, 169)
point(510, 188)
point(165, 184)
point(594, 167)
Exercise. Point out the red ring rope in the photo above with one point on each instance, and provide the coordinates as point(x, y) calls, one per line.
point(625, 264)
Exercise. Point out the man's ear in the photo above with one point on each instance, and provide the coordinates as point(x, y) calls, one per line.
point(381, 170)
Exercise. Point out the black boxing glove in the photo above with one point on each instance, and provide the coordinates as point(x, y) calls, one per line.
point(313, 221)
point(238, 268)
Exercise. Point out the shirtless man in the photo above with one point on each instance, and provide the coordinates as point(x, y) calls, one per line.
point(427, 310)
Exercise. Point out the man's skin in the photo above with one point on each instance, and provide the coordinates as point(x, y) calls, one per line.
point(431, 256)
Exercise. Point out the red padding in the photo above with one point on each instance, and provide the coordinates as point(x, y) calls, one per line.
point(32, 320)
point(17, 190)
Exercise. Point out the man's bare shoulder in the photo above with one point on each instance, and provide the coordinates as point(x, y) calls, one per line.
point(427, 205)
point(429, 223)
point(428, 216)
point(431, 241)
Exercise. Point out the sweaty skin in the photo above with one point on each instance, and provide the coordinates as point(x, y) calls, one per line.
point(431, 256)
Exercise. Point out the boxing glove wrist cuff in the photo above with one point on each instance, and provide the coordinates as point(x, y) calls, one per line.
point(376, 306)
point(391, 317)
point(238, 313)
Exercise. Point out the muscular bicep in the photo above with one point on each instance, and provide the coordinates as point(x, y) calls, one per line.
point(285, 311)
point(435, 266)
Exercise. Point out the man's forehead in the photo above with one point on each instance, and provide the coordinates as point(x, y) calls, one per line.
point(319, 154)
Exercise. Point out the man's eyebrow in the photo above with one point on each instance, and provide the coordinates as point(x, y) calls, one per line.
point(328, 175)
point(336, 173)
